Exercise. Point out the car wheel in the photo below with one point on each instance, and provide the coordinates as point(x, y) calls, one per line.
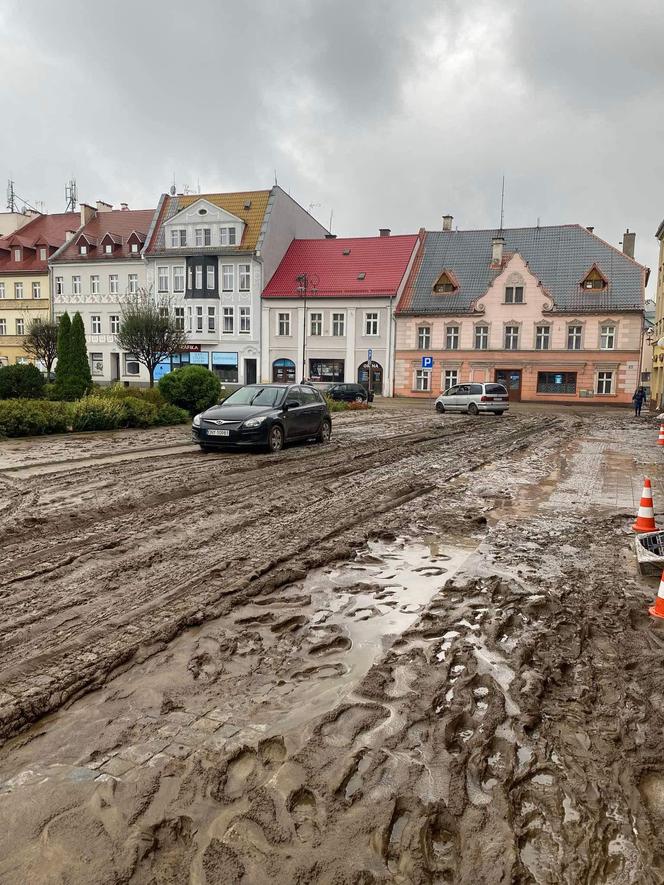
point(325, 432)
point(359, 399)
point(440, 408)
point(205, 449)
point(473, 410)
point(275, 440)
point(500, 413)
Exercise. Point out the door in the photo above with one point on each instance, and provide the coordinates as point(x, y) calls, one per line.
point(115, 367)
point(462, 397)
point(295, 418)
point(283, 371)
point(312, 411)
point(250, 371)
point(373, 383)
point(449, 398)
point(511, 378)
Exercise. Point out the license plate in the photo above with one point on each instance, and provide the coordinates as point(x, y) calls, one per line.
point(218, 433)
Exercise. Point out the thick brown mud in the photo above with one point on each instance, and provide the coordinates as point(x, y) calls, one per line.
point(411, 656)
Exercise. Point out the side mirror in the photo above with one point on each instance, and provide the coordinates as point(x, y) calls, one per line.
point(287, 406)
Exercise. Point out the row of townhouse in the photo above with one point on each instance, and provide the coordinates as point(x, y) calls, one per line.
point(265, 293)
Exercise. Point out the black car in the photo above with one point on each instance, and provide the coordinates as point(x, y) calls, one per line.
point(268, 415)
point(350, 393)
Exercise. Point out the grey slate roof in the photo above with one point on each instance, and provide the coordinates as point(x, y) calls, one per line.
point(559, 257)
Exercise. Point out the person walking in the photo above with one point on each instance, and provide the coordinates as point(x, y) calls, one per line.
point(637, 399)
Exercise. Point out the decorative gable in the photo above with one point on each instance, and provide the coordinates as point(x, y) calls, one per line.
point(446, 284)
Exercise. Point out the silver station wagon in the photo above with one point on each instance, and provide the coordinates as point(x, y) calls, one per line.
point(474, 398)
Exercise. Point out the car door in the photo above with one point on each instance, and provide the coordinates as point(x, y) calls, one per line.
point(462, 397)
point(449, 398)
point(294, 413)
point(312, 411)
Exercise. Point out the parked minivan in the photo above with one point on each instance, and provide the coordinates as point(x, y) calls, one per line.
point(474, 398)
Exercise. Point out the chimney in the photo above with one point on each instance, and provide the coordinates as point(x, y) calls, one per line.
point(497, 244)
point(124, 207)
point(87, 213)
point(384, 231)
point(628, 243)
point(330, 236)
point(103, 207)
point(590, 228)
point(68, 235)
point(447, 222)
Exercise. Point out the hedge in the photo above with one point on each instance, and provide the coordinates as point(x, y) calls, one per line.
point(29, 417)
point(194, 388)
point(21, 382)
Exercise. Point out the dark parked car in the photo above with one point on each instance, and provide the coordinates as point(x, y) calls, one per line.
point(350, 393)
point(268, 415)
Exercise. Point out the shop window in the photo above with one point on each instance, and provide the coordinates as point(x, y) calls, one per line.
point(326, 370)
point(556, 382)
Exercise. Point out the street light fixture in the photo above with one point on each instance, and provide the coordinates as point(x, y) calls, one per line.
point(306, 283)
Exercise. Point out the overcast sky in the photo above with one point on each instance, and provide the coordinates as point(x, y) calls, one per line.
point(386, 113)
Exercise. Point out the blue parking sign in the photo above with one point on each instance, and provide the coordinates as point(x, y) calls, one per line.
point(427, 362)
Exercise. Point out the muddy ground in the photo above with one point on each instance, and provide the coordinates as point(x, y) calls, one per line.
point(419, 654)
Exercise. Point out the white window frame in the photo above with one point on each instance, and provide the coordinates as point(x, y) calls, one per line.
point(177, 240)
point(283, 324)
point(244, 277)
point(423, 380)
point(227, 272)
point(209, 277)
point(199, 318)
point(452, 336)
point(228, 327)
point(576, 337)
point(18, 291)
point(179, 318)
point(338, 325)
point(113, 284)
point(315, 324)
point(481, 337)
point(424, 337)
point(108, 248)
point(132, 283)
point(511, 298)
point(36, 289)
point(178, 274)
point(2, 288)
point(211, 318)
point(3, 326)
point(20, 326)
point(17, 254)
point(95, 324)
point(189, 318)
point(42, 253)
point(228, 235)
point(371, 324)
point(133, 248)
point(131, 358)
point(82, 249)
point(162, 279)
point(542, 336)
point(244, 320)
point(513, 337)
point(76, 285)
point(96, 371)
point(603, 381)
point(607, 336)
point(114, 323)
point(94, 284)
point(448, 381)
point(198, 277)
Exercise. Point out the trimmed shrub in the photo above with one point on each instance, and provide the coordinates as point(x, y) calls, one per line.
point(169, 414)
point(21, 382)
point(97, 413)
point(135, 412)
point(193, 388)
point(145, 394)
point(29, 417)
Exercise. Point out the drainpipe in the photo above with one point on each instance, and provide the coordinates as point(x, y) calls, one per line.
point(392, 355)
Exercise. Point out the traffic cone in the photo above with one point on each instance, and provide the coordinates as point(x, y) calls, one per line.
point(660, 439)
point(657, 610)
point(645, 520)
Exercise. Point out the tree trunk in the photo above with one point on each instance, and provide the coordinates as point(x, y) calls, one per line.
point(151, 372)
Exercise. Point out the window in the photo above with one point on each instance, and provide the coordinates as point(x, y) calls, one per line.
point(542, 337)
point(556, 382)
point(97, 363)
point(162, 279)
point(20, 327)
point(178, 278)
point(203, 237)
point(315, 324)
point(607, 337)
point(59, 286)
point(17, 254)
point(190, 278)
point(514, 295)
point(163, 313)
point(189, 319)
point(326, 370)
point(229, 320)
point(444, 284)
point(338, 324)
point(227, 277)
point(134, 247)
point(131, 364)
point(245, 277)
point(370, 324)
point(83, 250)
point(2, 287)
point(227, 236)
point(451, 378)
point(594, 280)
point(42, 254)
point(36, 290)
point(210, 276)
point(18, 289)
point(245, 320)
point(605, 382)
point(199, 277)
point(108, 248)
point(113, 287)
point(574, 337)
point(94, 285)
point(423, 337)
point(511, 337)
point(3, 326)
point(76, 285)
point(114, 321)
point(95, 324)
point(212, 318)
point(481, 337)
point(452, 338)
point(133, 283)
point(423, 379)
point(179, 237)
point(179, 318)
point(199, 318)
point(283, 324)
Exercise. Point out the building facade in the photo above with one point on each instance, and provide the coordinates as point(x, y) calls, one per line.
point(555, 313)
point(99, 266)
point(209, 257)
point(657, 378)
point(24, 278)
point(328, 310)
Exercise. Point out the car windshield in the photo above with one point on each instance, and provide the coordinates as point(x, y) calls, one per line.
point(255, 396)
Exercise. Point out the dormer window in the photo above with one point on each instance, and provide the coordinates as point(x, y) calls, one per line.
point(82, 250)
point(179, 237)
point(228, 236)
point(594, 279)
point(42, 254)
point(445, 284)
point(108, 249)
point(17, 254)
point(134, 247)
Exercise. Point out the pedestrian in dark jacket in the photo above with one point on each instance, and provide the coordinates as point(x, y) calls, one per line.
point(637, 399)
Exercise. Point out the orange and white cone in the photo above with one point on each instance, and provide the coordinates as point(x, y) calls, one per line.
point(660, 438)
point(657, 610)
point(645, 520)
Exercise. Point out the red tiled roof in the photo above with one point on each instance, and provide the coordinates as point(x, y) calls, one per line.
point(45, 230)
point(120, 223)
point(338, 263)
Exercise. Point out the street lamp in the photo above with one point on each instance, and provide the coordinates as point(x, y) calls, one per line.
point(306, 283)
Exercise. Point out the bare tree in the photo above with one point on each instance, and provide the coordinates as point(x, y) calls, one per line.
point(41, 342)
point(148, 329)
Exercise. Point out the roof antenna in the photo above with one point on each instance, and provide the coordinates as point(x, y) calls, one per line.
point(275, 178)
point(331, 217)
point(502, 205)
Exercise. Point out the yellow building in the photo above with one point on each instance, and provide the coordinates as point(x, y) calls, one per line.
point(24, 278)
point(657, 377)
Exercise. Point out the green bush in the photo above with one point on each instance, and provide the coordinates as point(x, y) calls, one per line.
point(169, 414)
point(97, 413)
point(193, 388)
point(50, 392)
point(146, 394)
point(26, 417)
point(21, 382)
point(136, 413)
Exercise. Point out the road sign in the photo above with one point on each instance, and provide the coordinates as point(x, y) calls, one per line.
point(427, 362)
point(369, 355)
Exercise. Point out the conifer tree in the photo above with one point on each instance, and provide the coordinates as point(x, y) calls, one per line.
point(62, 369)
point(81, 377)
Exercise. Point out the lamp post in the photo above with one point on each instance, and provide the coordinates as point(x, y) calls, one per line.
point(305, 283)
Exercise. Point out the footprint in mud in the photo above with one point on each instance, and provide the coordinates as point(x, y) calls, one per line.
point(250, 620)
point(289, 625)
point(440, 845)
point(330, 646)
point(251, 768)
point(271, 753)
point(430, 571)
point(354, 780)
point(458, 732)
point(325, 671)
point(351, 721)
point(240, 769)
point(281, 602)
point(364, 614)
point(303, 810)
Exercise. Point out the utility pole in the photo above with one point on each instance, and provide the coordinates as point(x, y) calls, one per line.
point(305, 283)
